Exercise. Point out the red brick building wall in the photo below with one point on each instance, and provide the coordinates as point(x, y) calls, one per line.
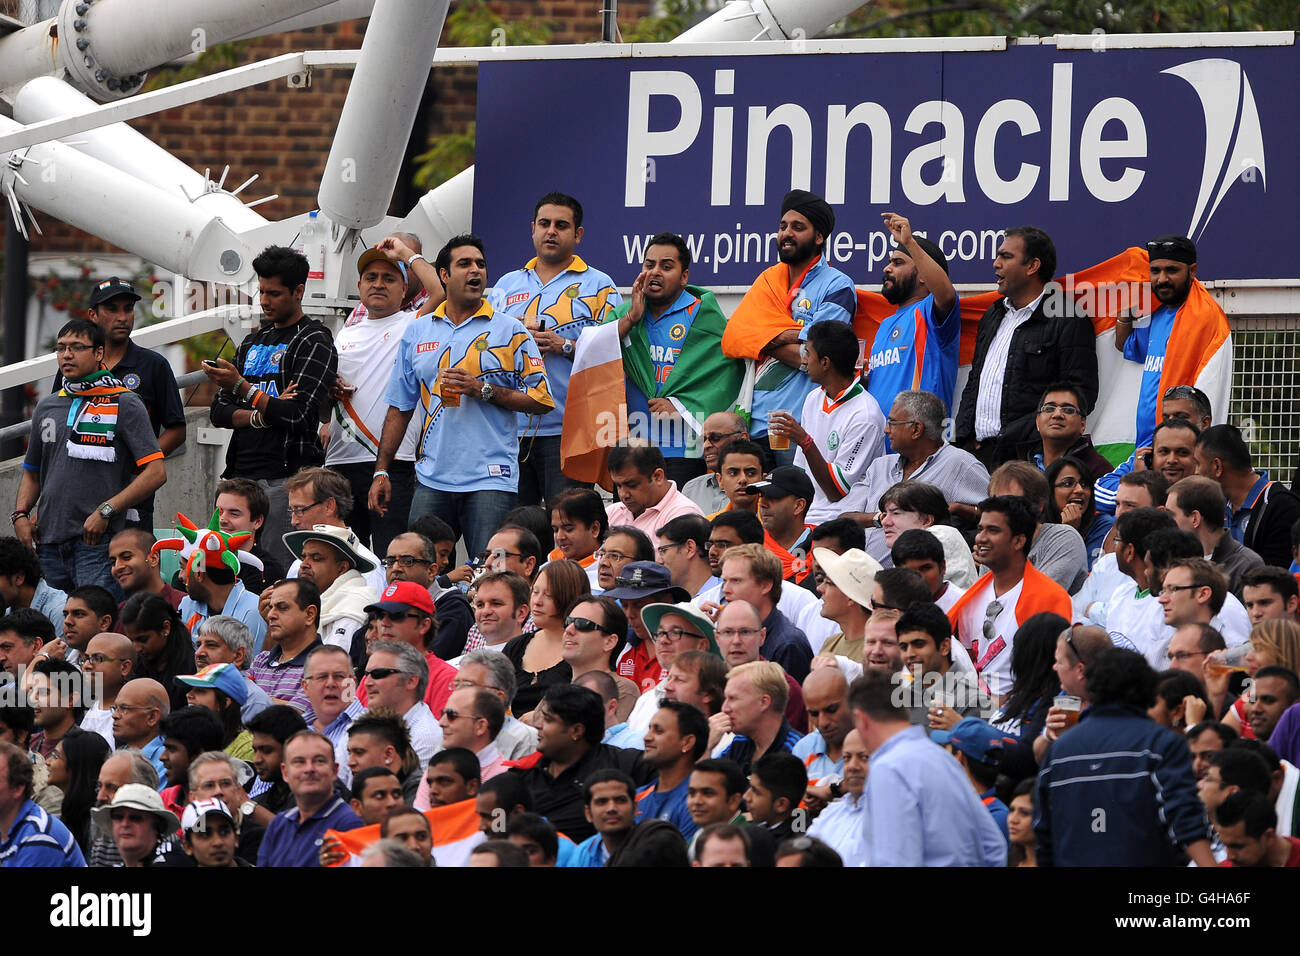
point(285, 134)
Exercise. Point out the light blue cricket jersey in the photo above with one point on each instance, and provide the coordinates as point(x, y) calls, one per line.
point(578, 298)
point(474, 447)
point(826, 293)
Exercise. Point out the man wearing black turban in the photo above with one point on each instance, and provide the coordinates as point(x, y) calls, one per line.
point(820, 292)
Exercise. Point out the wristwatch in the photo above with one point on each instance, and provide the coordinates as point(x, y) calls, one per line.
point(487, 392)
point(567, 347)
point(107, 511)
point(836, 790)
point(246, 808)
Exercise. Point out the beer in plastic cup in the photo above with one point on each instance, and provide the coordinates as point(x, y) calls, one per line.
point(450, 393)
point(1071, 706)
point(1225, 662)
point(778, 442)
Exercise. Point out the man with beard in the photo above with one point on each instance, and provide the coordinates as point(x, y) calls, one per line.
point(787, 299)
point(916, 347)
point(1148, 341)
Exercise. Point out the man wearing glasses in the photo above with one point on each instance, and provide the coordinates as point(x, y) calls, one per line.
point(319, 496)
point(719, 429)
point(405, 615)
point(108, 663)
point(138, 712)
point(413, 557)
point(331, 688)
point(915, 429)
point(92, 437)
point(1062, 425)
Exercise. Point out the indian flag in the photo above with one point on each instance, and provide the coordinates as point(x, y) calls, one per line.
point(595, 412)
point(1199, 351)
point(455, 834)
point(701, 381)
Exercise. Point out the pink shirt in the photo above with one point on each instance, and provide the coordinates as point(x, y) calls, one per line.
point(672, 505)
point(490, 763)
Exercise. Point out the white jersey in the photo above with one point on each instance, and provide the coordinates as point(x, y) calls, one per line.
point(849, 431)
point(367, 352)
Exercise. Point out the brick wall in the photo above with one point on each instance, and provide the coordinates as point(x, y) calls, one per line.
point(285, 134)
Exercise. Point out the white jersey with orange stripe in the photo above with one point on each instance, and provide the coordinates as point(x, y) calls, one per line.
point(849, 431)
point(367, 351)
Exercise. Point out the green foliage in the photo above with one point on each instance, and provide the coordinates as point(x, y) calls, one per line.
point(447, 156)
point(218, 57)
point(473, 23)
point(1011, 18)
point(676, 18)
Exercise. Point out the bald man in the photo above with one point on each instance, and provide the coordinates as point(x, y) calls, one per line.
point(141, 705)
point(719, 428)
point(826, 698)
point(108, 663)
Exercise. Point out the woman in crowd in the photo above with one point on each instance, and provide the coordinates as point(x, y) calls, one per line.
point(1022, 716)
point(74, 768)
point(579, 524)
point(1020, 825)
point(222, 689)
point(1071, 502)
point(917, 504)
point(1272, 643)
point(539, 657)
point(163, 646)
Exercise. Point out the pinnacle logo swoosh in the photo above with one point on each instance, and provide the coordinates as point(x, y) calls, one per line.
point(1231, 122)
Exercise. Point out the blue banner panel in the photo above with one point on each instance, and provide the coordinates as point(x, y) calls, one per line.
point(1102, 148)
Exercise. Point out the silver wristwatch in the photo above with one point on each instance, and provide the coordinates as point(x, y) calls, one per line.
point(567, 347)
point(107, 511)
point(487, 392)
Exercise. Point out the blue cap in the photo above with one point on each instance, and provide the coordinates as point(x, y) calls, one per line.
point(974, 737)
point(223, 677)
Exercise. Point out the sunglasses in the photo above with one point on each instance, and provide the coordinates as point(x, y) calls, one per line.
point(585, 625)
point(379, 673)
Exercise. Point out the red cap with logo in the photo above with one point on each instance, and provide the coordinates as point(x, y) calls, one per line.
point(401, 596)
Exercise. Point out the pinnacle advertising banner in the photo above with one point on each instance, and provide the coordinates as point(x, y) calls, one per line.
point(1103, 148)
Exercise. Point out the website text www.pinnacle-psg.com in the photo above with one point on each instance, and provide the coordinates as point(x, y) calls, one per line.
point(852, 251)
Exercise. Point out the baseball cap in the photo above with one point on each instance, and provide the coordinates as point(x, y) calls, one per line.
point(374, 255)
point(642, 579)
point(975, 738)
point(784, 481)
point(401, 596)
point(223, 677)
point(199, 809)
point(112, 288)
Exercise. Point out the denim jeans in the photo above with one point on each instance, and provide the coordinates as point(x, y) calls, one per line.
point(540, 478)
point(73, 564)
point(375, 531)
point(475, 514)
